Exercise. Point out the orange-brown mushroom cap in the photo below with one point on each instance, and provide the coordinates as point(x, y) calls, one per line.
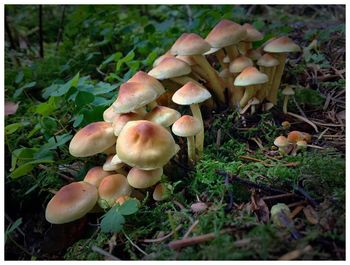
point(280, 45)
point(250, 76)
point(95, 175)
point(163, 115)
point(186, 126)
point(92, 139)
point(71, 202)
point(190, 93)
point(142, 179)
point(145, 145)
point(169, 68)
point(142, 77)
point(190, 44)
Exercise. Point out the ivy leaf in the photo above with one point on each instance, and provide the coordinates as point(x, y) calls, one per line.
point(128, 207)
point(112, 221)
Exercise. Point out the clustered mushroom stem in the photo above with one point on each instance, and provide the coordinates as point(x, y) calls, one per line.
point(214, 79)
point(142, 111)
point(268, 92)
point(281, 57)
point(220, 55)
point(232, 52)
point(199, 71)
point(248, 94)
point(191, 149)
point(200, 136)
point(182, 80)
point(237, 92)
point(261, 94)
point(152, 105)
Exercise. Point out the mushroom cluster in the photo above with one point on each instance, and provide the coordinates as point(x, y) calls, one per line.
point(135, 134)
point(294, 142)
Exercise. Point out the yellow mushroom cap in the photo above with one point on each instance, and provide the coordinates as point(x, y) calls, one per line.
point(142, 179)
point(142, 77)
point(163, 115)
point(252, 33)
point(92, 139)
point(95, 175)
point(281, 45)
point(112, 187)
point(190, 93)
point(186, 126)
point(160, 192)
point(190, 44)
point(132, 96)
point(71, 202)
point(250, 76)
point(226, 33)
point(170, 67)
point(109, 114)
point(295, 136)
point(240, 63)
point(281, 141)
point(145, 145)
point(120, 121)
point(267, 60)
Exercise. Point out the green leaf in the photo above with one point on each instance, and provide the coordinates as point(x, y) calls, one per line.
point(103, 88)
point(78, 120)
point(128, 207)
point(46, 108)
point(22, 154)
point(19, 91)
point(19, 77)
point(11, 128)
point(112, 221)
point(27, 167)
point(12, 227)
point(83, 98)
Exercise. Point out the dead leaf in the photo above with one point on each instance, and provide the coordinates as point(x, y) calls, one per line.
point(11, 107)
point(310, 214)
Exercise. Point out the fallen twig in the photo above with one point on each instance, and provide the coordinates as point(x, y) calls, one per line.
point(103, 253)
point(190, 229)
point(295, 253)
point(157, 240)
point(136, 246)
point(303, 119)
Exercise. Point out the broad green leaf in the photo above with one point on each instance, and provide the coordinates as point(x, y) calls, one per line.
point(83, 98)
point(103, 88)
point(22, 154)
point(78, 120)
point(128, 207)
point(46, 108)
point(112, 221)
point(75, 80)
point(12, 227)
point(19, 77)
point(19, 91)
point(11, 128)
point(27, 167)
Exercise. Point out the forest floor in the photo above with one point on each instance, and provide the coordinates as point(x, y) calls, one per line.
point(240, 177)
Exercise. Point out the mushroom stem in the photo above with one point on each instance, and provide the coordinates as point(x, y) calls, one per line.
point(214, 79)
point(220, 55)
point(142, 111)
point(152, 105)
point(285, 103)
point(232, 52)
point(199, 71)
point(248, 94)
point(200, 136)
point(281, 57)
point(237, 92)
point(182, 80)
point(261, 94)
point(191, 149)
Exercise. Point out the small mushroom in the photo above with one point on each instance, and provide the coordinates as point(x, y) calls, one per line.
point(71, 202)
point(287, 92)
point(193, 94)
point(142, 179)
point(161, 192)
point(279, 211)
point(188, 126)
point(111, 187)
point(95, 175)
point(163, 116)
point(92, 139)
point(109, 114)
point(282, 143)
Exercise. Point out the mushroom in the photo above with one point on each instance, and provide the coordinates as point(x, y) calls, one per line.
point(120, 121)
point(133, 97)
point(285, 125)
point(145, 145)
point(279, 47)
point(255, 55)
point(236, 67)
point(193, 94)
point(227, 34)
point(163, 116)
point(92, 139)
point(161, 192)
point(109, 114)
point(121, 199)
point(282, 143)
point(111, 165)
point(161, 58)
point(276, 211)
point(144, 78)
point(110, 150)
point(287, 92)
point(250, 78)
point(197, 71)
point(252, 35)
point(295, 136)
point(267, 65)
point(188, 126)
point(95, 175)
point(220, 56)
point(174, 69)
point(193, 45)
point(71, 202)
point(142, 179)
point(299, 146)
point(112, 187)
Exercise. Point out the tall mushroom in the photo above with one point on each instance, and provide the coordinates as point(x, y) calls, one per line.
point(193, 94)
point(279, 47)
point(163, 115)
point(267, 65)
point(252, 35)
